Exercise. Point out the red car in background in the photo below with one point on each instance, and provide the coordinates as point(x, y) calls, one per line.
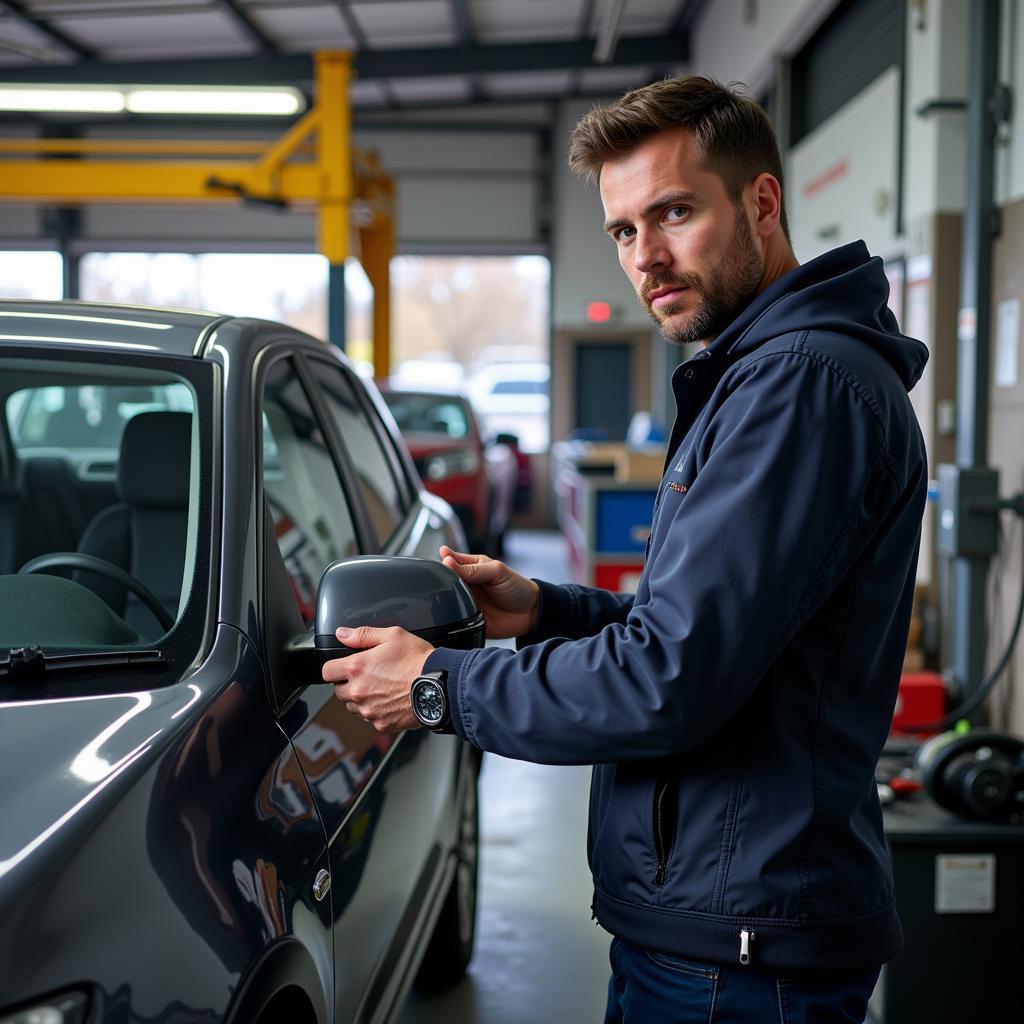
point(476, 475)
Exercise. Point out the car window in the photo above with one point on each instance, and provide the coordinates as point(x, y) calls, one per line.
point(428, 414)
point(106, 508)
point(90, 416)
point(520, 387)
point(313, 523)
point(373, 467)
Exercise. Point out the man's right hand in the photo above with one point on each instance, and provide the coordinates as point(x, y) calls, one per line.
point(510, 602)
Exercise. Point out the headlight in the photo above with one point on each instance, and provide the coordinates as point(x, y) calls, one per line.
point(68, 1008)
point(440, 466)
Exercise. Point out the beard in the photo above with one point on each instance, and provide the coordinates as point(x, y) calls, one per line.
point(728, 291)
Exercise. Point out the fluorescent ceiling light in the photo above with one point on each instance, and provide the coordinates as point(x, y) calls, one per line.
point(242, 100)
point(56, 97)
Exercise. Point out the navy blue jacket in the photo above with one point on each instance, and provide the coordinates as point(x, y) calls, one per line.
point(736, 707)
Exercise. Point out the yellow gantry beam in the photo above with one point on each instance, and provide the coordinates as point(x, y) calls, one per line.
point(288, 171)
point(106, 181)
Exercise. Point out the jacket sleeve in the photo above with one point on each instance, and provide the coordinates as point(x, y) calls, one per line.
point(571, 611)
point(791, 479)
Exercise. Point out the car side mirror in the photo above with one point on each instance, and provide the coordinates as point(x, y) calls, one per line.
point(420, 595)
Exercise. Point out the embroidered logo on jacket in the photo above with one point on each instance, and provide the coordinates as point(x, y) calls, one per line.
point(678, 488)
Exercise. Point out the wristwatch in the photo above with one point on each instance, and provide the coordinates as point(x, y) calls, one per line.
point(429, 694)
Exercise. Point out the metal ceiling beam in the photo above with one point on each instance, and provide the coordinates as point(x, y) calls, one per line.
point(367, 64)
point(355, 30)
point(465, 37)
point(689, 12)
point(244, 21)
point(362, 44)
point(582, 32)
point(586, 17)
point(20, 13)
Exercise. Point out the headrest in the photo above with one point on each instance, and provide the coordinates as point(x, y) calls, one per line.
point(156, 459)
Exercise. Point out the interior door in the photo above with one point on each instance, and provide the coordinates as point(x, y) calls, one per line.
point(604, 388)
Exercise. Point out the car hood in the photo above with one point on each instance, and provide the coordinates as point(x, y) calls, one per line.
point(57, 757)
point(421, 445)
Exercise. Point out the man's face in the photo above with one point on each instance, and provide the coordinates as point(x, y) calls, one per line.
point(683, 243)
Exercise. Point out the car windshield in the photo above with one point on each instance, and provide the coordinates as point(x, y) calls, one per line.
point(102, 466)
point(429, 414)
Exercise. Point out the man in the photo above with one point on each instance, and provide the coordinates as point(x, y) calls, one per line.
point(736, 706)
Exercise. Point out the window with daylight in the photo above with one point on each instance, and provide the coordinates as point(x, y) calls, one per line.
point(479, 325)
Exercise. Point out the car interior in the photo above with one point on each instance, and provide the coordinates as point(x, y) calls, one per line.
point(98, 469)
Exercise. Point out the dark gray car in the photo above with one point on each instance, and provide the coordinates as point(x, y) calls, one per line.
point(194, 827)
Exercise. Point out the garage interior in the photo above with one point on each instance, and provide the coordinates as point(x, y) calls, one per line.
point(390, 176)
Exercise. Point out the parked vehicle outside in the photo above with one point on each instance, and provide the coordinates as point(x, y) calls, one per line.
point(513, 398)
point(477, 475)
point(195, 829)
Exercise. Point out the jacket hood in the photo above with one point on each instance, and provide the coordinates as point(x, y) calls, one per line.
point(843, 291)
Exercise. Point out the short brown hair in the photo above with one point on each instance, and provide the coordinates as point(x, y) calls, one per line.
point(734, 135)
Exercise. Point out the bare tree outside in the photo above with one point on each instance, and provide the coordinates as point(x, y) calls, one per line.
point(480, 323)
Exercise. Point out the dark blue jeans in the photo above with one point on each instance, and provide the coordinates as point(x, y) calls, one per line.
point(647, 987)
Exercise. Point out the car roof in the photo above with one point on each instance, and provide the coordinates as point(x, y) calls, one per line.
point(178, 332)
point(535, 370)
point(390, 387)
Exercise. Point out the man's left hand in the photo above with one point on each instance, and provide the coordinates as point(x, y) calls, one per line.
point(375, 683)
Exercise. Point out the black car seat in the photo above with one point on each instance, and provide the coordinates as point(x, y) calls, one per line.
point(12, 529)
point(55, 514)
point(145, 533)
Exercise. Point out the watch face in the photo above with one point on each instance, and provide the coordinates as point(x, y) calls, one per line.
point(429, 701)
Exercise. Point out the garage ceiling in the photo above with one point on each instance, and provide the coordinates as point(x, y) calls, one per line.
point(409, 54)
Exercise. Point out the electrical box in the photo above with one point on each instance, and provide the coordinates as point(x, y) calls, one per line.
point(964, 530)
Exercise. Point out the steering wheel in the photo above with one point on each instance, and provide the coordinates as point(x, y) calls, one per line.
point(90, 563)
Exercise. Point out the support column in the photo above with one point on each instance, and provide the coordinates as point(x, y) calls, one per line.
point(377, 244)
point(72, 263)
point(974, 325)
point(336, 308)
point(334, 159)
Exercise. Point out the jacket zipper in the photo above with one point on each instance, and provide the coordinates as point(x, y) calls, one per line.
point(660, 846)
point(746, 938)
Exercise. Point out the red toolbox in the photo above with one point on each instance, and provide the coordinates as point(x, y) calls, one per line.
point(921, 699)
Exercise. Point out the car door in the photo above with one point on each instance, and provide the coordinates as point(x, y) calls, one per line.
point(425, 766)
point(374, 794)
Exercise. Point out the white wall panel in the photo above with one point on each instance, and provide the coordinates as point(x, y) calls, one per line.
point(936, 144)
point(1010, 157)
point(841, 179)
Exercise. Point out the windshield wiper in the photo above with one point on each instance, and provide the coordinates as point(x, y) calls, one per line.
point(28, 663)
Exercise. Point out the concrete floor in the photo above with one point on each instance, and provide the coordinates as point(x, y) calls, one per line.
point(539, 957)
